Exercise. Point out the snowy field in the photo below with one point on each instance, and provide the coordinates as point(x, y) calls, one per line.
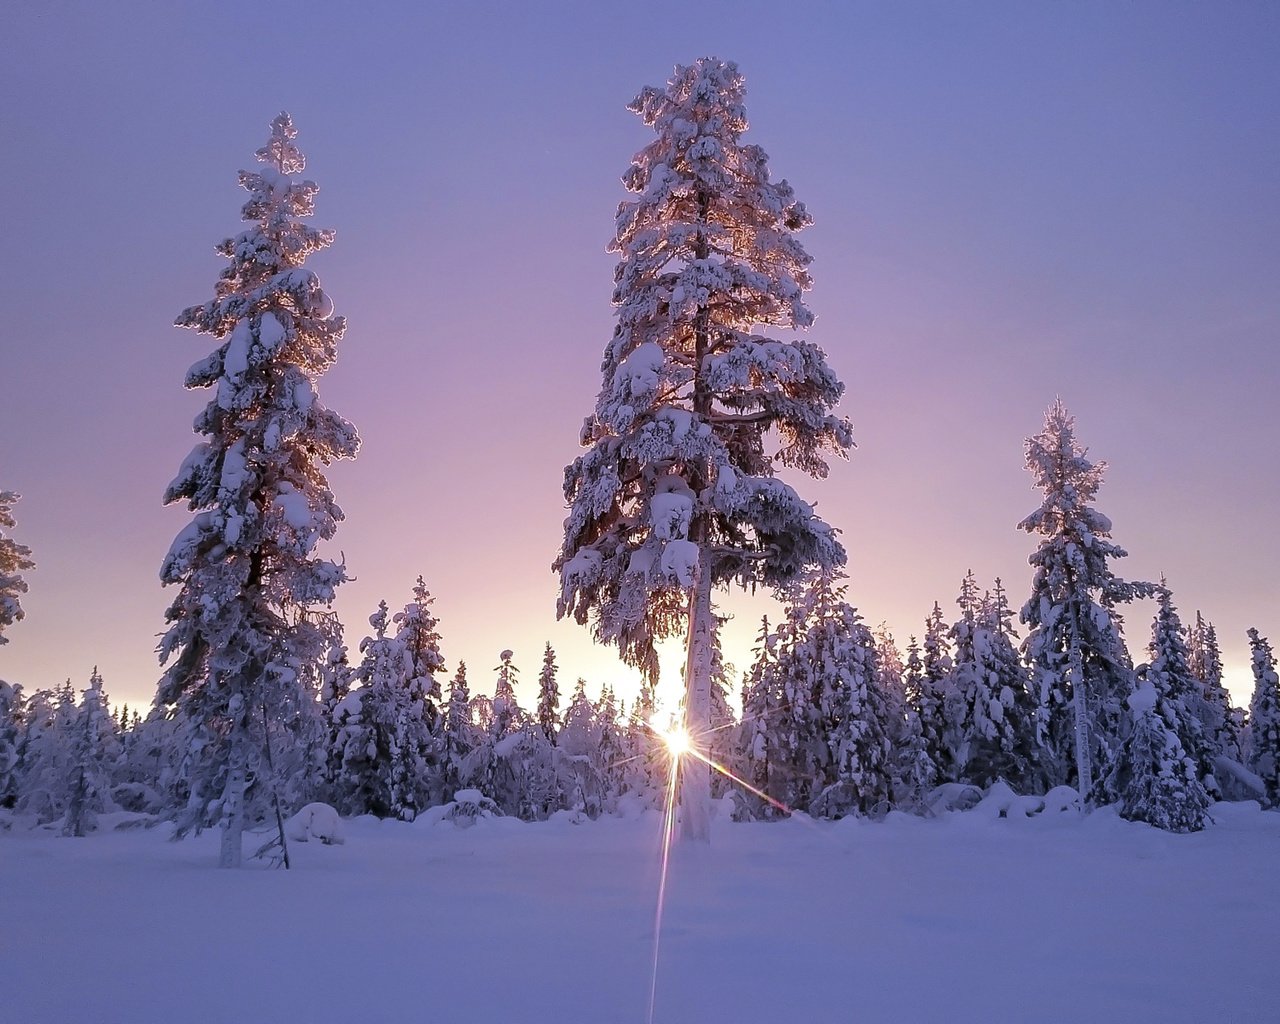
point(963, 918)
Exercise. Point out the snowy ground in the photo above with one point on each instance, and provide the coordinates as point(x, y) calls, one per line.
point(954, 920)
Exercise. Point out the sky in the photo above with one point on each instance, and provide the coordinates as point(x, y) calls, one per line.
point(1012, 202)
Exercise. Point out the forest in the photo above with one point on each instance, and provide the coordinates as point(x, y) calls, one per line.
point(713, 406)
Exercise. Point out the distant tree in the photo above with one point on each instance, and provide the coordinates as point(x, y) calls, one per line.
point(549, 697)
point(459, 734)
point(94, 755)
point(12, 718)
point(1214, 707)
point(335, 688)
point(15, 559)
point(1264, 717)
point(508, 715)
point(765, 718)
point(845, 743)
point(245, 565)
point(677, 491)
point(1169, 672)
point(388, 737)
point(996, 713)
point(582, 782)
point(933, 702)
point(915, 774)
point(44, 754)
point(1153, 777)
point(1081, 669)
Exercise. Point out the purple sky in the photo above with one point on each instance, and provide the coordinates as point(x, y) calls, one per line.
point(1012, 202)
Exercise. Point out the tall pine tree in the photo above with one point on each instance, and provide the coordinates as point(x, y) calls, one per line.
point(246, 565)
point(677, 491)
point(1081, 669)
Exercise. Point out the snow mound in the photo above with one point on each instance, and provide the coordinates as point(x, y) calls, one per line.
point(1002, 802)
point(467, 807)
point(315, 821)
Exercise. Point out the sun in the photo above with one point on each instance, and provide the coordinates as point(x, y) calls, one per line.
point(674, 737)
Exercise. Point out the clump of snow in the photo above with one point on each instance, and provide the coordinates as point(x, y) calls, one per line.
point(1142, 699)
point(467, 807)
point(680, 561)
point(315, 821)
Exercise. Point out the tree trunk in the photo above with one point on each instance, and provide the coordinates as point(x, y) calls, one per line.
point(233, 808)
point(695, 788)
point(1080, 707)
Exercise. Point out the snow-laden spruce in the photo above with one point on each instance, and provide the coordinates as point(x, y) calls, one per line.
point(95, 753)
point(677, 491)
point(388, 727)
point(818, 719)
point(995, 713)
point(1151, 774)
point(1214, 709)
point(549, 696)
point(1081, 670)
point(1264, 717)
point(1170, 673)
point(15, 559)
point(239, 628)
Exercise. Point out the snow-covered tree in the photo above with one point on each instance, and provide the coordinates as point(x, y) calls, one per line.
point(1153, 777)
point(1169, 672)
point(915, 773)
point(15, 559)
point(996, 715)
point(459, 734)
point(45, 753)
point(549, 696)
point(842, 759)
point(765, 720)
point(1214, 707)
point(933, 701)
point(12, 717)
point(677, 491)
point(387, 728)
point(508, 715)
point(246, 564)
point(1082, 671)
point(582, 782)
point(1264, 717)
point(95, 751)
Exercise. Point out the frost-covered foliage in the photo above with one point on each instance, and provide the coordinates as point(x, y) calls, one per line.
point(246, 564)
point(45, 753)
point(1213, 706)
point(460, 735)
point(915, 772)
point(766, 726)
point(834, 751)
point(1074, 643)
point(677, 490)
point(549, 696)
point(94, 757)
point(1152, 776)
point(388, 727)
point(934, 702)
point(996, 719)
point(12, 716)
point(15, 559)
point(1169, 672)
point(1264, 717)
